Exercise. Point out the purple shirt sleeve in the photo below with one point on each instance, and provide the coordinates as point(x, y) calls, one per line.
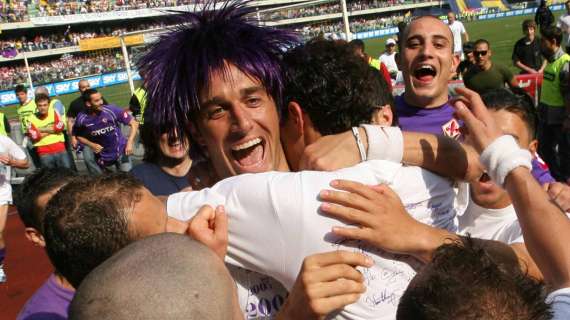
point(122, 116)
point(540, 172)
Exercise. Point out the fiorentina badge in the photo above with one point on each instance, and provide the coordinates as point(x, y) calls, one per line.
point(451, 129)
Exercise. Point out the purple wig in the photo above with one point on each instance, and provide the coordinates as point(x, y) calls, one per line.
point(178, 66)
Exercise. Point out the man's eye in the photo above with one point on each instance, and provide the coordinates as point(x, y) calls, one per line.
point(253, 102)
point(439, 45)
point(215, 113)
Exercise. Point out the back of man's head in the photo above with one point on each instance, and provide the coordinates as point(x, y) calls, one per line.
point(336, 89)
point(470, 280)
point(165, 276)
point(41, 90)
point(552, 34)
point(39, 183)
point(87, 221)
point(515, 101)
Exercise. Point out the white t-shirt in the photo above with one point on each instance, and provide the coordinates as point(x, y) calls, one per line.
point(564, 24)
point(274, 224)
point(560, 303)
point(491, 224)
point(390, 61)
point(7, 146)
point(457, 29)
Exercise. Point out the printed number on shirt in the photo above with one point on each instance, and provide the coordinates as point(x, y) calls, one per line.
point(264, 307)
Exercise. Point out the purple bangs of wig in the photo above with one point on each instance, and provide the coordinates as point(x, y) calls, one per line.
point(178, 66)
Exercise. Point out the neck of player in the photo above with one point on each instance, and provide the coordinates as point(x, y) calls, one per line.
point(176, 167)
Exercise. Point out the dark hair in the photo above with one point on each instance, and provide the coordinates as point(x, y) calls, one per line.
point(356, 44)
point(35, 185)
point(178, 66)
point(337, 89)
point(528, 24)
point(20, 88)
point(516, 101)
point(552, 33)
point(482, 41)
point(88, 93)
point(468, 46)
point(41, 97)
point(86, 222)
point(469, 280)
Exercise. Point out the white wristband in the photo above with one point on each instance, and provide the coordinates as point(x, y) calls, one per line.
point(384, 143)
point(502, 156)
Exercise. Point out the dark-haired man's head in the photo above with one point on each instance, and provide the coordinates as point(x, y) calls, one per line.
point(357, 47)
point(42, 103)
point(482, 53)
point(21, 93)
point(90, 219)
point(515, 114)
point(550, 40)
point(93, 100)
point(165, 276)
point(32, 196)
point(220, 73)
point(328, 90)
point(427, 61)
point(473, 280)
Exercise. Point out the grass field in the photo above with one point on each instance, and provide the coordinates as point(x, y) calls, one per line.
point(501, 33)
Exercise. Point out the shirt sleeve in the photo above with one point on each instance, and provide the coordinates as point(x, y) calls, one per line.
point(59, 107)
point(463, 28)
point(122, 116)
point(565, 81)
point(559, 301)
point(77, 129)
point(254, 229)
point(13, 149)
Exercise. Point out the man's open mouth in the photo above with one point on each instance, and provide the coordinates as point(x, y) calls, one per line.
point(249, 153)
point(425, 73)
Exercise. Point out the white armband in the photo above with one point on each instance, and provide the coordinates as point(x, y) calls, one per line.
point(384, 143)
point(502, 156)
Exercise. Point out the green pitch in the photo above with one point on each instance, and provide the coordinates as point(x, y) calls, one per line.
point(501, 33)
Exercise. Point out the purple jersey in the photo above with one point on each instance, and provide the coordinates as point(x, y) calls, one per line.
point(104, 129)
point(49, 302)
point(440, 121)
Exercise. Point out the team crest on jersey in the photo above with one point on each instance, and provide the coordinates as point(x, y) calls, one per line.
point(451, 129)
point(104, 120)
point(125, 115)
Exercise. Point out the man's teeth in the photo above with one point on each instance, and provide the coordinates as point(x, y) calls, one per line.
point(246, 145)
point(426, 67)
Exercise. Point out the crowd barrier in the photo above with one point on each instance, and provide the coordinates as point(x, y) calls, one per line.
point(489, 16)
point(70, 86)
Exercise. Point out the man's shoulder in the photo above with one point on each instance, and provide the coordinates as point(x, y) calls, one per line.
point(145, 170)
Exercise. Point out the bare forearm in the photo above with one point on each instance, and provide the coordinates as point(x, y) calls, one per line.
point(19, 163)
point(546, 228)
point(134, 129)
point(70, 123)
point(86, 142)
point(524, 67)
point(441, 155)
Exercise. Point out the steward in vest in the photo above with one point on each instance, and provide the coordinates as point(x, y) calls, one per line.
point(45, 129)
point(26, 108)
point(554, 108)
point(4, 125)
point(137, 104)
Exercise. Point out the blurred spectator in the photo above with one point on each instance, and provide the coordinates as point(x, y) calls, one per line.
point(526, 53)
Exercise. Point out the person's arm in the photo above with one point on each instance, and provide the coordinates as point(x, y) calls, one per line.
point(545, 227)
point(464, 33)
point(132, 135)
point(564, 89)
point(15, 157)
point(439, 154)
point(7, 125)
point(541, 70)
point(58, 125)
point(97, 148)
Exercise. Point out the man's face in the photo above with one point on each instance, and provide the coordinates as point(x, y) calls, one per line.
point(95, 102)
point(390, 48)
point(427, 62)
point(485, 192)
point(482, 54)
point(43, 107)
point(22, 97)
point(470, 57)
point(451, 17)
point(148, 216)
point(83, 85)
point(529, 32)
point(547, 47)
point(239, 125)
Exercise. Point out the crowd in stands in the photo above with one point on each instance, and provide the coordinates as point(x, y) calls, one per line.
point(67, 67)
point(356, 25)
point(67, 38)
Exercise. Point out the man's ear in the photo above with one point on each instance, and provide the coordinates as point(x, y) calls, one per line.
point(383, 116)
point(533, 146)
point(295, 118)
point(35, 237)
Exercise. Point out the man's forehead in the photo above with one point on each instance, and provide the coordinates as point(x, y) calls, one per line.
point(428, 26)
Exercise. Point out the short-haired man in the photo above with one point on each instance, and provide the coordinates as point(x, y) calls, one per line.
point(100, 129)
point(46, 129)
point(26, 108)
point(468, 62)
point(75, 107)
point(526, 53)
point(55, 295)
point(358, 48)
point(185, 266)
point(486, 74)
point(554, 108)
point(460, 35)
point(564, 24)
